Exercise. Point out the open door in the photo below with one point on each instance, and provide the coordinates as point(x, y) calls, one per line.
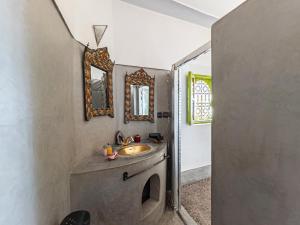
point(175, 139)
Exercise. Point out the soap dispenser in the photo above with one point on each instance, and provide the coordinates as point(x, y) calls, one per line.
point(109, 149)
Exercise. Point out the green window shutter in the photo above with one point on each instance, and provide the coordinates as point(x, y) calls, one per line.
point(192, 79)
point(189, 98)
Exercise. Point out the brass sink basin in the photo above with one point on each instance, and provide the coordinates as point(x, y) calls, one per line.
point(133, 150)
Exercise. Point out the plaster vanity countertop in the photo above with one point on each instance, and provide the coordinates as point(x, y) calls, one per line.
point(98, 162)
point(98, 185)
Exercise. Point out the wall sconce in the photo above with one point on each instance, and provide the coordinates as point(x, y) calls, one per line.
point(99, 31)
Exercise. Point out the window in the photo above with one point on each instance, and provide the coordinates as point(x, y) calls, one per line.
point(199, 98)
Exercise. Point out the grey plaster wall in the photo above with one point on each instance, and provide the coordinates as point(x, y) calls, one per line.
point(42, 127)
point(36, 105)
point(256, 128)
point(92, 135)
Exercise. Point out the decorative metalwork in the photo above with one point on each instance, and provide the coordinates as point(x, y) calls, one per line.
point(201, 101)
point(140, 77)
point(99, 58)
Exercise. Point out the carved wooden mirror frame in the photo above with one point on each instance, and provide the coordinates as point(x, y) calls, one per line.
point(139, 77)
point(98, 58)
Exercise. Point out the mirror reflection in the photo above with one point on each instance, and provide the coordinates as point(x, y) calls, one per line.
point(99, 88)
point(139, 100)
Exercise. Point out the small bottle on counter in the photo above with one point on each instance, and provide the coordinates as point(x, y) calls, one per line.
point(109, 150)
point(137, 138)
point(104, 151)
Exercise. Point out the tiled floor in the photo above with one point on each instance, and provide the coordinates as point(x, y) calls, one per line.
point(170, 218)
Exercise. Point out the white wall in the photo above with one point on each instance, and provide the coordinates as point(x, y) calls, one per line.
point(146, 38)
point(80, 17)
point(135, 36)
point(196, 139)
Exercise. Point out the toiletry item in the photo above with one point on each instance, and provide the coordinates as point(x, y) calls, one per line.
point(137, 138)
point(104, 151)
point(113, 156)
point(109, 150)
point(156, 136)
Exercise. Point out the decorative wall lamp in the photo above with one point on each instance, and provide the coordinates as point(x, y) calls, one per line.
point(99, 31)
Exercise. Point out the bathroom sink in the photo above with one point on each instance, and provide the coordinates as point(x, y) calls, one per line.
point(133, 150)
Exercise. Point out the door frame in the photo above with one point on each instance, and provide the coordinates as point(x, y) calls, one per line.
point(175, 139)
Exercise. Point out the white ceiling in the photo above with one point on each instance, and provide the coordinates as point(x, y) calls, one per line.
point(201, 12)
point(216, 8)
point(177, 10)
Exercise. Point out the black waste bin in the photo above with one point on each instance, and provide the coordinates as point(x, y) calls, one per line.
point(77, 218)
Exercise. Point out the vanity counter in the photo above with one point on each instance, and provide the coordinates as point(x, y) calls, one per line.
point(99, 162)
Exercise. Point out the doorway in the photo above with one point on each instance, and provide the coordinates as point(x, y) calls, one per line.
point(191, 130)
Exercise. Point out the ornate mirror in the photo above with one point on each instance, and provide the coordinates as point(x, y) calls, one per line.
point(98, 83)
point(139, 97)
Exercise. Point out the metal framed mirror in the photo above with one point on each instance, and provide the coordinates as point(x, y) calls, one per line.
point(98, 87)
point(139, 97)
